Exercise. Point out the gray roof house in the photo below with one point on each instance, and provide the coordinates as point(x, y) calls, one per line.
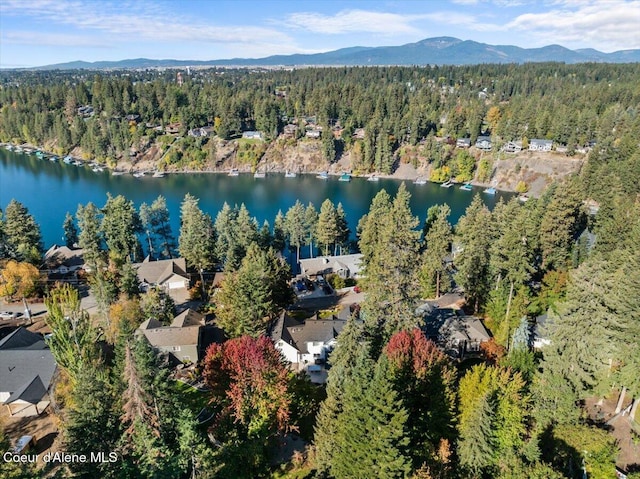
point(483, 143)
point(463, 142)
point(307, 345)
point(27, 368)
point(345, 266)
point(454, 332)
point(182, 339)
point(167, 273)
point(540, 145)
point(63, 260)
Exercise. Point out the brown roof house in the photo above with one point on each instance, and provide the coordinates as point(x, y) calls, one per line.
point(345, 266)
point(26, 370)
point(181, 340)
point(166, 273)
point(63, 260)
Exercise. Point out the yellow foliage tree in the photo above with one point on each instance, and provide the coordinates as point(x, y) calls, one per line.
point(19, 279)
point(493, 117)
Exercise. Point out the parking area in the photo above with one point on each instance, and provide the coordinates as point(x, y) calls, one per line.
point(305, 288)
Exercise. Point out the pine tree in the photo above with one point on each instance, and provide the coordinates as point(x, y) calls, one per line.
point(474, 236)
point(343, 229)
point(311, 224)
point(120, 226)
point(296, 227)
point(438, 241)
point(155, 221)
point(22, 233)
point(196, 242)
point(90, 236)
point(327, 229)
point(279, 232)
point(70, 231)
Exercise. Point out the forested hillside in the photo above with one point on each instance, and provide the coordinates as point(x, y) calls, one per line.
point(407, 114)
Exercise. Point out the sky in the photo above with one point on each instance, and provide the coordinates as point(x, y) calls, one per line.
point(44, 32)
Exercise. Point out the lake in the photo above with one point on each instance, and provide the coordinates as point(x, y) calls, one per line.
point(50, 189)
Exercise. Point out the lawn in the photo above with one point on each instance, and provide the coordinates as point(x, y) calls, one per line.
point(195, 400)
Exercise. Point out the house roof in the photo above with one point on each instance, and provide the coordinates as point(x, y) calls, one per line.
point(444, 326)
point(170, 336)
point(328, 264)
point(157, 272)
point(62, 255)
point(150, 323)
point(24, 356)
point(31, 392)
point(299, 334)
point(188, 317)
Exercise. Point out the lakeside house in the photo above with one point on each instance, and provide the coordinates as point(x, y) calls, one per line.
point(540, 145)
point(62, 260)
point(345, 266)
point(26, 373)
point(484, 143)
point(182, 340)
point(252, 135)
point(463, 142)
point(166, 274)
point(512, 147)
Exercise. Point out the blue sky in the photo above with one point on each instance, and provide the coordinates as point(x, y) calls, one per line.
point(40, 32)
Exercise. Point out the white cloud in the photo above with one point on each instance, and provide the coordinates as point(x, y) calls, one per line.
point(355, 21)
point(40, 38)
point(608, 25)
point(141, 21)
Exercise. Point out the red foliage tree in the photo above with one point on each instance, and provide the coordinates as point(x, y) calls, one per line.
point(249, 380)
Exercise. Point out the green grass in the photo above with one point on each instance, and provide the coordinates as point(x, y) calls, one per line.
point(192, 398)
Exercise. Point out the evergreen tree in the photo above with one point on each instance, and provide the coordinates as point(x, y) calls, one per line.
point(120, 226)
point(311, 224)
point(70, 231)
point(296, 227)
point(155, 222)
point(252, 296)
point(22, 233)
point(474, 237)
point(327, 229)
point(343, 229)
point(196, 242)
point(279, 232)
point(90, 236)
point(438, 241)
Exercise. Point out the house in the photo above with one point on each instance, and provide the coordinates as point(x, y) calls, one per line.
point(484, 143)
point(358, 134)
point(290, 130)
point(181, 340)
point(314, 132)
point(307, 345)
point(540, 145)
point(512, 147)
point(26, 373)
point(166, 273)
point(252, 135)
point(173, 128)
point(132, 119)
point(463, 142)
point(539, 336)
point(63, 260)
point(85, 111)
point(198, 132)
point(452, 330)
point(345, 266)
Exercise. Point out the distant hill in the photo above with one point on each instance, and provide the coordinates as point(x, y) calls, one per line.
point(431, 51)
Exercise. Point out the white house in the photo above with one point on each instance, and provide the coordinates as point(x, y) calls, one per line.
point(307, 345)
point(540, 145)
point(512, 147)
point(252, 135)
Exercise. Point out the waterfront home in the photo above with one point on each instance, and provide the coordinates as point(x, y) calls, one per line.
point(540, 145)
point(484, 143)
point(512, 147)
point(166, 274)
point(345, 266)
point(252, 135)
point(463, 142)
point(26, 373)
point(457, 334)
point(63, 260)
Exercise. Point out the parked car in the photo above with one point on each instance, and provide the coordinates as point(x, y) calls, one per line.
point(300, 286)
point(8, 315)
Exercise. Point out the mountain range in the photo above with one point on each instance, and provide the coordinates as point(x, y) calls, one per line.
point(431, 51)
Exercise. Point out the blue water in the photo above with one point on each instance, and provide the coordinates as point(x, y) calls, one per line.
point(50, 190)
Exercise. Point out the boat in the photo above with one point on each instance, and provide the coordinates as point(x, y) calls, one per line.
point(67, 159)
point(8, 147)
point(17, 149)
point(117, 173)
point(290, 174)
point(466, 187)
point(39, 154)
point(139, 174)
point(53, 158)
point(259, 174)
point(97, 169)
point(490, 191)
point(78, 163)
point(345, 177)
point(374, 178)
point(158, 174)
point(447, 184)
point(523, 198)
point(233, 172)
point(420, 181)
point(323, 176)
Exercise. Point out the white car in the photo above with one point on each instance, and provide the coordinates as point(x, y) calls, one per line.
point(8, 315)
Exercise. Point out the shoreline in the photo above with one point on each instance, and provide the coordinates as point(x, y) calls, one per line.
point(404, 172)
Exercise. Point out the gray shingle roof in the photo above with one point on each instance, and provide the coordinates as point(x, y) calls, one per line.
point(157, 272)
